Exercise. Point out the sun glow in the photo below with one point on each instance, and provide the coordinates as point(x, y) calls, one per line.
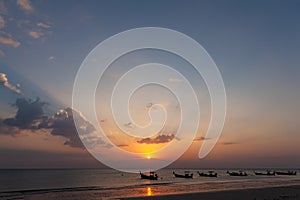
point(148, 156)
point(149, 192)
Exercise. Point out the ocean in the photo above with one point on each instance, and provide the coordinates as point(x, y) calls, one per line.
point(110, 184)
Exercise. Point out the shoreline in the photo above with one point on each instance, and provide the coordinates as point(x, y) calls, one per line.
point(271, 193)
point(275, 192)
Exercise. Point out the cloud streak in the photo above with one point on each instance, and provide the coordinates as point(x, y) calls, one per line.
point(35, 34)
point(43, 25)
point(157, 140)
point(177, 80)
point(129, 125)
point(8, 40)
point(4, 82)
point(229, 143)
point(201, 139)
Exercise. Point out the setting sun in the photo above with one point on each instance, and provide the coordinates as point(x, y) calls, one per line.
point(149, 192)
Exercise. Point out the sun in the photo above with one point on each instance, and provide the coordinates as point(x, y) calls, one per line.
point(148, 156)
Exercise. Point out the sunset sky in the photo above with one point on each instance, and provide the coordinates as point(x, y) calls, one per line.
point(255, 45)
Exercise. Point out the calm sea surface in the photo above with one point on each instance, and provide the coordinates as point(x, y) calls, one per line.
point(106, 183)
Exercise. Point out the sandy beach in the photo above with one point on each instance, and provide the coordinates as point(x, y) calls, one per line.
point(269, 193)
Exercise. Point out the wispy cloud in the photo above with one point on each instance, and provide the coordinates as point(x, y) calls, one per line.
point(4, 82)
point(51, 58)
point(229, 143)
point(35, 34)
point(129, 125)
point(122, 145)
point(8, 40)
point(2, 22)
point(175, 80)
point(25, 5)
point(201, 139)
point(43, 25)
point(157, 140)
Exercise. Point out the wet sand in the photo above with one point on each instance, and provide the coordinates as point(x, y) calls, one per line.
point(287, 192)
point(269, 193)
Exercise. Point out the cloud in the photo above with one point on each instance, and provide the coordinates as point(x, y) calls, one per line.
point(4, 82)
point(229, 143)
point(8, 40)
point(35, 34)
point(158, 139)
point(175, 80)
point(201, 139)
point(2, 22)
point(129, 125)
point(43, 25)
point(28, 114)
point(8, 130)
point(122, 145)
point(62, 124)
point(103, 120)
point(51, 58)
point(149, 105)
point(25, 5)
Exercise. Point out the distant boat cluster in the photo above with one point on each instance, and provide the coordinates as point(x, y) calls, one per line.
point(153, 175)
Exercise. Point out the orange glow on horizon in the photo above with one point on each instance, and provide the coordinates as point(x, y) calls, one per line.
point(149, 191)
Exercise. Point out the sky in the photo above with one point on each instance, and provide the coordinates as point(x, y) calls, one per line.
point(255, 45)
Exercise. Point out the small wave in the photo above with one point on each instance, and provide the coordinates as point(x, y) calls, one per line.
point(75, 189)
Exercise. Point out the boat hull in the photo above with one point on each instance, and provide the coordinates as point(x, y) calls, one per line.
point(149, 177)
point(183, 176)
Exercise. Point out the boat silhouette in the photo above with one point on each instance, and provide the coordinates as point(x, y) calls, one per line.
point(240, 173)
point(151, 176)
point(268, 173)
point(187, 174)
point(288, 173)
point(209, 174)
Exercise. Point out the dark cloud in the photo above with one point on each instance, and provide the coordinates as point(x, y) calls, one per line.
point(62, 124)
point(201, 139)
point(157, 140)
point(122, 145)
point(129, 125)
point(229, 143)
point(28, 113)
point(103, 120)
point(30, 116)
point(149, 105)
point(8, 130)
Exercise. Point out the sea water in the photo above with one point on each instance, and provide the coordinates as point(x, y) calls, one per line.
point(107, 183)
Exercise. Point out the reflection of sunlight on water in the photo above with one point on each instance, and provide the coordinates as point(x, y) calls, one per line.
point(149, 192)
